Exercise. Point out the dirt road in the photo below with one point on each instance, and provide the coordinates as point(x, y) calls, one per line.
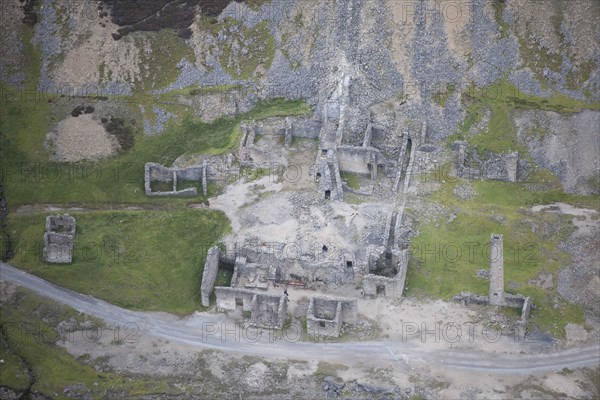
point(203, 330)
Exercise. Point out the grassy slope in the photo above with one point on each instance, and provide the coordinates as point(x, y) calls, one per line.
point(119, 179)
point(52, 368)
point(149, 260)
point(447, 254)
point(502, 98)
point(530, 241)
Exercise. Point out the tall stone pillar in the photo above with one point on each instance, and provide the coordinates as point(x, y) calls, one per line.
point(496, 270)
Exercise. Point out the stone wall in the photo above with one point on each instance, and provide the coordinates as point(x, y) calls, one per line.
point(325, 315)
point(230, 299)
point(266, 311)
point(190, 174)
point(501, 167)
point(209, 275)
point(306, 128)
point(527, 306)
point(496, 270)
point(374, 285)
point(471, 298)
point(496, 295)
point(324, 326)
point(328, 175)
point(156, 172)
point(59, 237)
point(360, 160)
point(283, 263)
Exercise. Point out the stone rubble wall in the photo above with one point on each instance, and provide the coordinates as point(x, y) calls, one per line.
point(320, 326)
point(263, 317)
point(209, 275)
point(226, 298)
point(59, 239)
point(393, 286)
point(357, 159)
point(156, 172)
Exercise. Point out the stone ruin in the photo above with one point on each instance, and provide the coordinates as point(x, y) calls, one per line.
point(333, 157)
point(263, 143)
point(266, 311)
point(58, 239)
point(388, 267)
point(496, 295)
point(257, 267)
point(500, 167)
point(325, 315)
point(209, 275)
point(173, 178)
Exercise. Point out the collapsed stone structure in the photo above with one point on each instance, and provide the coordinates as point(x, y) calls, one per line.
point(333, 157)
point(209, 275)
point(496, 295)
point(175, 177)
point(266, 311)
point(59, 237)
point(325, 315)
point(500, 167)
point(387, 268)
point(257, 266)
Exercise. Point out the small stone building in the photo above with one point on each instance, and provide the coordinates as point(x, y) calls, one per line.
point(325, 316)
point(266, 311)
point(497, 296)
point(58, 239)
point(172, 178)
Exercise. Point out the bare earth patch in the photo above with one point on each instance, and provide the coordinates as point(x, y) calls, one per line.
point(80, 138)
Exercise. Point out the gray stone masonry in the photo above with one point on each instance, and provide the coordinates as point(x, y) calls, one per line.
point(289, 131)
point(59, 237)
point(496, 270)
point(325, 315)
point(266, 311)
point(500, 167)
point(209, 275)
point(157, 173)
point(496, 295)
point(424, 145)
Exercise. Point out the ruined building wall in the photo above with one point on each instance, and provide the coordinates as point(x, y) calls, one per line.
point(200, 173)
point(357, 159)
point(306, 129)
point(268, 311)
point(391, 286)
point(228, 299)
point(496, 270)
point(209, 275)
point(321, 325)
point(325, 315)
point(59, 237)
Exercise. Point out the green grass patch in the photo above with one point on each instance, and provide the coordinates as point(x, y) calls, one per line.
point(52, 368)
point(256, 4)
point(258, 45)
point(29, 177)
point(167, 49)
point(254, 174)
point(442, 96)
point(352, 180)
point(151, 260)
point(501, 99)
point(446, 254)
point(499, 6)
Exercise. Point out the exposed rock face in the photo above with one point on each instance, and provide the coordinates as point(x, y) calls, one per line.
point(565, 144)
